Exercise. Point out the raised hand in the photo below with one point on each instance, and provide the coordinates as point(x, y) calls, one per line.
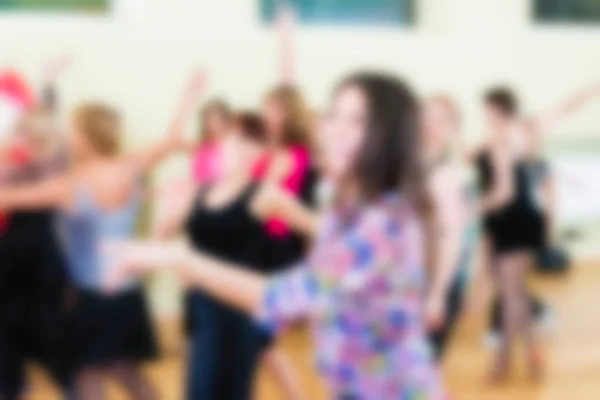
point(286, 25)
point(53, 68)
point(194, 88)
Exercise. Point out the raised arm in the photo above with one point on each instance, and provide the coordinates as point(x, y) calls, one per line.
point(273, 300)
point(50, 74)
point(173, 140)
point(286, 24)
point(173, 205)
point(548, 120)
point(449, 201)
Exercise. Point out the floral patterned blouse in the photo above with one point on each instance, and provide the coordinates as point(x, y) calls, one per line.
point(362, 289)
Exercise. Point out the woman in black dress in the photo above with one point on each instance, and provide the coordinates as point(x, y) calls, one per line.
point(513, 224)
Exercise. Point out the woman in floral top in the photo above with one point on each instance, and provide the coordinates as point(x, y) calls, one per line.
point(362, 287)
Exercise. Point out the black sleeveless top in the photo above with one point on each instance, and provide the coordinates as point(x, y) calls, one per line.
point(227, 342)
point(228, 232)
point(517, 225)
point(522, 194)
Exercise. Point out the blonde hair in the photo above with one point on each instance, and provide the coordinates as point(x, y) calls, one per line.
point(101, 126)
point(298, 121)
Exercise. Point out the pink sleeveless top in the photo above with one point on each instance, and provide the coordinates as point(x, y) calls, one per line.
point(206, 163)
point(292, 183)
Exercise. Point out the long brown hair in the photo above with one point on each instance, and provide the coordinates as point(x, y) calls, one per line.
point(298, 121)
point(390, 157)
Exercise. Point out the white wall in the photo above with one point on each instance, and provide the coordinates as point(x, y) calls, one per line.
point(139, 57)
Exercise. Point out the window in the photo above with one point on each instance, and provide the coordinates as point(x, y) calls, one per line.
point(567, 10)
point(79, 6)
point(346, 12)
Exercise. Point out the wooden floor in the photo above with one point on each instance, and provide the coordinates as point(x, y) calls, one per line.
point(573, 353)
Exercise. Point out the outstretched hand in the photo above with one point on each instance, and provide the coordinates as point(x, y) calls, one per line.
point(197, 82)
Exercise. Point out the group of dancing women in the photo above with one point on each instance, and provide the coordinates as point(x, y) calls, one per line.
point(359, 221)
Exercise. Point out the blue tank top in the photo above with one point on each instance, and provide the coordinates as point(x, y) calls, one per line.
point(84, 230)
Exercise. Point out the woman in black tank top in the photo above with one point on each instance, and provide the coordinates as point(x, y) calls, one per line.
point(225, 343)
point(221, 220)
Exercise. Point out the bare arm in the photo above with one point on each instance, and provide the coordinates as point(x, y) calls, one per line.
point(51, 72)
point(174, 203)
point(549, 119)
point(238, 287)
point(51, 192)
point(286, 27)
point(273, 202)
point(448, 197)
point(173, 140)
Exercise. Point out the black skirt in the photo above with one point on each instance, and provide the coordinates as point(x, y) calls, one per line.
point(107, 329)
point(515, 228)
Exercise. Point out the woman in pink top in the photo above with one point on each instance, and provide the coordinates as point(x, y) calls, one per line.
point(216, 122)
point(288, 162)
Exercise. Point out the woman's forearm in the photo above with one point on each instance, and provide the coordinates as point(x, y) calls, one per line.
point(228, 283)
point(449, 262)
point(48, 193)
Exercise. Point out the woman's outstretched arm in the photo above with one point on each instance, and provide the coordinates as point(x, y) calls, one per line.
point(50, 192)
point(546, 121)
point(226, 282)
point(274, 301)
point(173, 140)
